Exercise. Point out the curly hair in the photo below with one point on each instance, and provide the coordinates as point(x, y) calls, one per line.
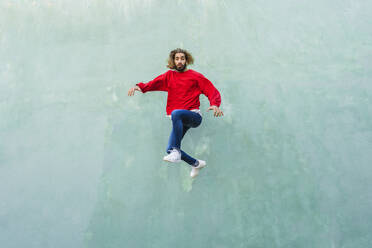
point(188, 56)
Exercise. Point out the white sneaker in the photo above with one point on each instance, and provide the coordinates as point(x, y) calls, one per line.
point(174, 156)
point(195, 170)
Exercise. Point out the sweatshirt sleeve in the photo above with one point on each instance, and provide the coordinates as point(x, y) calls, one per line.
point(158, 84)
point(208, 89)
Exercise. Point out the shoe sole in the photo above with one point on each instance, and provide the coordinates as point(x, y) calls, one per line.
point(178, 161)
point(199, 171)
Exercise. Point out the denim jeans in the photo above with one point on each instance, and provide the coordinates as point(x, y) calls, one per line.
point(182, 121)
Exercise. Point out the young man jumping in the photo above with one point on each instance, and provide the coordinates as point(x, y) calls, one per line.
point(184, 87)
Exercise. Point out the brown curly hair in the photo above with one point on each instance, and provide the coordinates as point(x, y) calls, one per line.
point(188, 56)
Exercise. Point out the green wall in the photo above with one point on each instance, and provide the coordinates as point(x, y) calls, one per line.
point(289, 165)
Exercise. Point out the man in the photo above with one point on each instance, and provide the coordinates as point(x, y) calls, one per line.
point(184, 87)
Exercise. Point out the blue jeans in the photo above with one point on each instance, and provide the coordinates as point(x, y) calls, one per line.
point(182, 121)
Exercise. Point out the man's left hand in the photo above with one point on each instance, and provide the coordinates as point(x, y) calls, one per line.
point(216, 110)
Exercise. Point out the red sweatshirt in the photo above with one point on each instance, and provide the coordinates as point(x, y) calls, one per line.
point(183, 89)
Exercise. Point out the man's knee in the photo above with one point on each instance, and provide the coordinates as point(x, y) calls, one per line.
point(176, 114)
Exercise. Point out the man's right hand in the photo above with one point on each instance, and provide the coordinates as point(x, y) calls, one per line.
point(132, 90)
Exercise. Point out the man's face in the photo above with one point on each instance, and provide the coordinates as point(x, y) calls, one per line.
point(180, 61)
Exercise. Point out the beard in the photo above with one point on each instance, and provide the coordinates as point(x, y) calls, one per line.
point(181, 68)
